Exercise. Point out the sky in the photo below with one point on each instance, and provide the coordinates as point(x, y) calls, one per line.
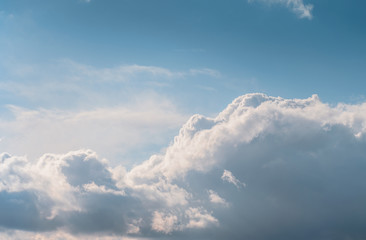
point(182, 119)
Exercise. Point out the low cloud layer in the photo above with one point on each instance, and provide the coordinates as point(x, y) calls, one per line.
point(264, 168)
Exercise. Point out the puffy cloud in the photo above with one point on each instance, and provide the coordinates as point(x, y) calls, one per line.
point(165, 223)
point(192, 218)
point(303, 162)
point(294, 154)
point(297, 6)
point(74, 191)
point(199, 218)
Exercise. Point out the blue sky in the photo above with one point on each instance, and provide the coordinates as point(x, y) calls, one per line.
point(100, 95)
point(256, 46)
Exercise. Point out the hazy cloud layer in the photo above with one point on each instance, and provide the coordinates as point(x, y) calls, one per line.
point(264, 168)
point(118, 111)
point(111, 131)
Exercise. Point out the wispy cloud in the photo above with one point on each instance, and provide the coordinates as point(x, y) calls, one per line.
point(228, 176)
point(113, 110)
point(77, 71)
point(50, 83)
point(112, 131)
point(297, 6)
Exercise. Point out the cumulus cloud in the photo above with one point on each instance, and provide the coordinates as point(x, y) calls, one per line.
point(74, 191)
point(297, 6)
point(303, 162)
point(165, 223)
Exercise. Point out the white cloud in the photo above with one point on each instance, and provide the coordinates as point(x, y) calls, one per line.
point(303, 161)
point(229, 177)
point(94, 188)
point(44, 179)
point(165, 223)
point(199, 218)
point(297, 6)
point(193, 218)
point(73, 72)
point(111, 131)
point(215, 198)
point(63, 191)
point(269, 141)
point(120, 73)
point(127, 72)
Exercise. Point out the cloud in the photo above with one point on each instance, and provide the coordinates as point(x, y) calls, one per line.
point(228, 176)
point(73, 71)
point(74, 191)
point(119, 73)
point(215, 198)
point(111, 131)
point(303, 162)
point(297, 6)
point(165, 223)
point(72, 85)
point(199, 218)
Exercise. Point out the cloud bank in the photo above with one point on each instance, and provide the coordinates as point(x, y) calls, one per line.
point(264, 168)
